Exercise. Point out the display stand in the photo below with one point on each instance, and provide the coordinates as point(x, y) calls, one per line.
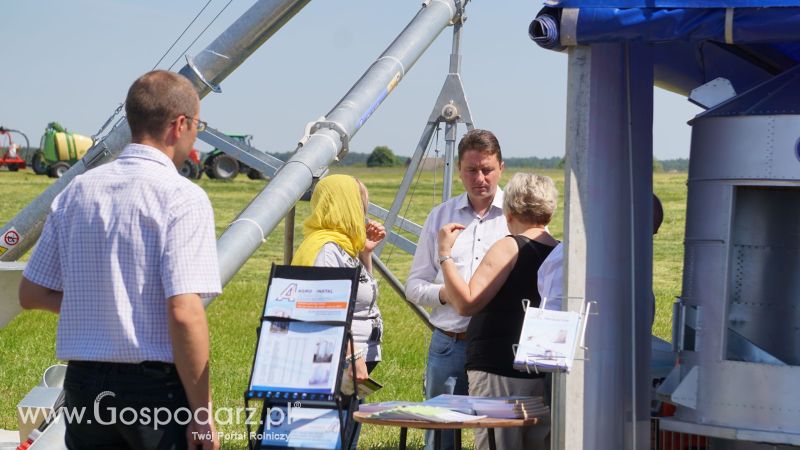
point(549, 337)
point(301, 352)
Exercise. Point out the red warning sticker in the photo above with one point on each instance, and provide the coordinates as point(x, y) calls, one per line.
point(10, 238)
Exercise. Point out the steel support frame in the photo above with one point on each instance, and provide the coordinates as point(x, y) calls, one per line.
point(603, 403)
point(451, 107)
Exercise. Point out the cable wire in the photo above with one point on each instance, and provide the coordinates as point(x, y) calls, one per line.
point(201, 33)
point(119, 108)
point(181, 35)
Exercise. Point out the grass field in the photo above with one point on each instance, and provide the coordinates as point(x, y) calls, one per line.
point(27, 344)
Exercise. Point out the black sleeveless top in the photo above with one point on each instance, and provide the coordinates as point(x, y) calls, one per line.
point(494, 329)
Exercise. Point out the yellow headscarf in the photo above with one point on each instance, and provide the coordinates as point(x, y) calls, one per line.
point(337, 215)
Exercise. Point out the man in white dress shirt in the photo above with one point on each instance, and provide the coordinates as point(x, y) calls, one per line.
point(480, 210)
point(126, 256)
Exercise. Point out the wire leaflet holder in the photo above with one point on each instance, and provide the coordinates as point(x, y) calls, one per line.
point(302, 345)
point(550, 336)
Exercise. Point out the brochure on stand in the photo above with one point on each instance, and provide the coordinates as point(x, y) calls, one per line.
point(548, 340)
point(302, 334)
point(297, 367)
point(308, 300)
point(306, 428)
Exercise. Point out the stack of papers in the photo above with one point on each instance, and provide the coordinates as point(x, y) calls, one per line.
point(548, 340)
point(460, 408)
point(370, 408)
point(527, 408)
point(515, 407)
point(424, 413)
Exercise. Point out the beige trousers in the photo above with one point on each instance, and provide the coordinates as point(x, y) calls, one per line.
point(483, 384)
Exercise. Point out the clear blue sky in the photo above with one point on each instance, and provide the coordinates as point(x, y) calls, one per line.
point(72, 62)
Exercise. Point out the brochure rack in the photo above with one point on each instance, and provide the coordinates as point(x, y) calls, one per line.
point(549, 338)
point(299, 359)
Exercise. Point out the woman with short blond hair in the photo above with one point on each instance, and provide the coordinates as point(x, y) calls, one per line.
point(506, 276)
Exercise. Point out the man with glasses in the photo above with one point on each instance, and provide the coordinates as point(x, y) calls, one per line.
point(126, 257)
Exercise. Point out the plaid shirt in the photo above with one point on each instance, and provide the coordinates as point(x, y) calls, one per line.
point(120, 240)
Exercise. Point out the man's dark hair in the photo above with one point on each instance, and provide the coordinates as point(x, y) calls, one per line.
point(157, 98)
point(483, 141)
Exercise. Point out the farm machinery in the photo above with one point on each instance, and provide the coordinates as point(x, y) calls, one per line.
point(219, 165)
point(222, 166)
point(10, 155)
point(59, 150)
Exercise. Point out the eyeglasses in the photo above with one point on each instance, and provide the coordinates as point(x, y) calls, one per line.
point(201, 125)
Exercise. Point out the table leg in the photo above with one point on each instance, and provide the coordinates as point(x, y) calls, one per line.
point(492, 443)
point(403, 437)
point(457, 439)
point(437, 439)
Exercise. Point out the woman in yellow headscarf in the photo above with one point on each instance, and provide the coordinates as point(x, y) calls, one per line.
point(337, 235)
point(337, 217)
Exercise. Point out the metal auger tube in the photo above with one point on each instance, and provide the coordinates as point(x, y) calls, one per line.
point(328, 138)
point(205, 71)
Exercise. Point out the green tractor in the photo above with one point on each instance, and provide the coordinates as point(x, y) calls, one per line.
point(220, 166)
point(59, 150)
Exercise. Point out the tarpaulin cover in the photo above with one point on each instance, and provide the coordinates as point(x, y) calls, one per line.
point(670, 3)
point(690, 45)
point(654, 25)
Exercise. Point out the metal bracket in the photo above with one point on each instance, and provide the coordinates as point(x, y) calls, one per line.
point(459, 17)
point(451, 106)
point(685, 394)
point(322, 122)
point(339, 129)
point(712, 93)
point(98, 157)
point(214, 87)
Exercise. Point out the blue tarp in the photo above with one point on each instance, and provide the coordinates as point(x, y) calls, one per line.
point(691, 45)
point(670, 3)
point(658, 25)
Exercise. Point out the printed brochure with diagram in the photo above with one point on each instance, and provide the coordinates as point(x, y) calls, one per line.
point(302, 334)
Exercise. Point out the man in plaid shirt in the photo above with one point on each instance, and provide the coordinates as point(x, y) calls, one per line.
point(126, 257)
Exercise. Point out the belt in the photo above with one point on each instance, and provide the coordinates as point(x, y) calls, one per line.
point(460, 336)
point(125, 368)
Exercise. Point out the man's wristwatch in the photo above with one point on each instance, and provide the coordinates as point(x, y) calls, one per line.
point(442, 259)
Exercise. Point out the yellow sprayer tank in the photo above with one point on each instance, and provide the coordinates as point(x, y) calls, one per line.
point(70, 146)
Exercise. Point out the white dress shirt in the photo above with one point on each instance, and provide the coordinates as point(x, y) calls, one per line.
point(120, 240)
point(550, 280)
point(425, 278)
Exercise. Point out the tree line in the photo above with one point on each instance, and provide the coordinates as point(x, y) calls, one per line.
point(383, 156)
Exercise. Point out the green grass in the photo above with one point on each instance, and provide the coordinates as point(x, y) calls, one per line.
point(27, 344)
